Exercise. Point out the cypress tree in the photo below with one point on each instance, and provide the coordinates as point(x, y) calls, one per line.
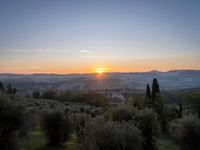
point(148, 91)
point(180, 110)
point(9, 89)
point(155, 88)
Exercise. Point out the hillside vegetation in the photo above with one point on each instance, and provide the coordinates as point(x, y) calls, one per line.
point(60, 120)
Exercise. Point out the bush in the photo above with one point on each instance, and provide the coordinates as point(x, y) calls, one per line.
point(101, 135)
point(186, 132)
point(121, 113)
point(168, 113)
point(80, 120)
point(57, 127)
point(48, 94)
point(156, 104)
point(83, 108)
point(64, 96)
point(192, 100)
point(137, 101)
point(12, 118)
point(146, 121)
point(91, 98)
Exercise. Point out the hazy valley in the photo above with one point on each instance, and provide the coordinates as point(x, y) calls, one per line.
point(171, 80)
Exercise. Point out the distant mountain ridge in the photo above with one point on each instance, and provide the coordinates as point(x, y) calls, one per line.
point(170, 80)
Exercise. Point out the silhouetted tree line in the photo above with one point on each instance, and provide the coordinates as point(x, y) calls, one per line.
point(36, 94)
point(91, 98)
point(8, 89)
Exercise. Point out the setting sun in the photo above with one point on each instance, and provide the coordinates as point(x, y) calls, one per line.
point(100, 70)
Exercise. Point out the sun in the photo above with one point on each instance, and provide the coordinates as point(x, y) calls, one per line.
point(100, 70)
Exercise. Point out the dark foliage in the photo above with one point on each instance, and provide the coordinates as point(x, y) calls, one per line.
point(80, 120)
point(2, 88)
point(192, 101)
point(121, 113)
point(36, 94)
point(10, 89)
point(57, 126)
point(156, 104)
point(101, 135)
point(12, 117)
point(48, 94)
point(146, 121)
point(169, 113)
point(155, 88)
point(186, 131)
point(91, 98)
point(148, 91)
point(64, 96)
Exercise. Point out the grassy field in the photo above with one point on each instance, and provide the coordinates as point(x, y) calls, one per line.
point(37, 141)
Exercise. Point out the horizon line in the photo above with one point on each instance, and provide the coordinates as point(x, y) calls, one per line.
point(107, 72)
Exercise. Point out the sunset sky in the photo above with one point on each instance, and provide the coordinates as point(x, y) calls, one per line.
point(79, 36)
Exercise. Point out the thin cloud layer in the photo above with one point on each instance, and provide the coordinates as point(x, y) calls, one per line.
point(39, 51)
point(85, 51)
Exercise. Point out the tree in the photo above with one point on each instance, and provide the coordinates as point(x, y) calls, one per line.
point(57, 126)
point(49, 94)
point(2, 88)
point(148, 91)
point(99, 134)
point(92, 98)
point(14, 90)
point(146, 120)
point(36, 94)
point(10, 89)
point(186, 131)
point(192, 100)
point(12, 118)
point(121, 113)
point(155, 88)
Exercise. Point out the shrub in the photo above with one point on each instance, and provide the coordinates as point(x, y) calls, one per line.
point(168, 113)
point(91, 98)
point(186, 132)
point(156, 104)
point(12, 117)
point(146, 121)
point(137, 101)
point(36, 94)
point(83, 108)
point(101, 135)
point(121, 113)
point(10, 89)
point(64, 96)
point(49, 94)
point(57, 126)
point(192, 100)
point(80, 120)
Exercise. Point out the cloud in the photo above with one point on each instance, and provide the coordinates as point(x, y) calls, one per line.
point(36, 67)
point(39, 51)
point(85, 51)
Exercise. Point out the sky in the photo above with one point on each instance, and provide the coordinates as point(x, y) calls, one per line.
point(79, 36)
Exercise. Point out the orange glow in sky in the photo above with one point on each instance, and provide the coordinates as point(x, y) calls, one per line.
point(64, 37)
point(61, 65)
point(100, 70)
